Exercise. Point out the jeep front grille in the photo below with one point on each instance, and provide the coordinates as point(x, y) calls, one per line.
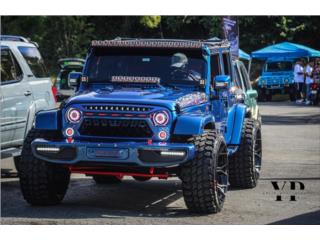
point(117, 108)
point(115, 128)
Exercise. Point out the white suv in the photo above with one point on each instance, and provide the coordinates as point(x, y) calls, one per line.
point(25, 89)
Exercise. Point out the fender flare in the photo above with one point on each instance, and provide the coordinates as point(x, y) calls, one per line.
point(192, 124)
point(48, 120)
point(235, 121)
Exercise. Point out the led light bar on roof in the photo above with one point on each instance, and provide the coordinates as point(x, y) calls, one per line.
point(146, 43)
point(135, 79)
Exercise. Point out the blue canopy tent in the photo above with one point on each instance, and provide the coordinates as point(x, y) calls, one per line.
point(285, 49)
point(244, 55)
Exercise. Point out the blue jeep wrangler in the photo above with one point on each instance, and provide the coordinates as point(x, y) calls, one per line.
point(276, 77)
point(147, 108)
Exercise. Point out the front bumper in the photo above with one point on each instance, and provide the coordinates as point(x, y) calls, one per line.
point(118, 153)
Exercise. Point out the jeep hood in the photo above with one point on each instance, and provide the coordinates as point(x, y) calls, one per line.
point(166, 97)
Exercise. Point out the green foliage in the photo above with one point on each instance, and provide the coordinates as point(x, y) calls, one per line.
point(70, 36)
point(150, 21)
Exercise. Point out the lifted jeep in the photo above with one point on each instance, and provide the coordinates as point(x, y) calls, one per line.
point(147, 108)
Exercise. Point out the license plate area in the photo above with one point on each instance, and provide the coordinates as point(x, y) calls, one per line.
point(107, 153)
point(314, 91)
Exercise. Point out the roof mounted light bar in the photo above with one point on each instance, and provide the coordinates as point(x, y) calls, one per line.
point(147, 43)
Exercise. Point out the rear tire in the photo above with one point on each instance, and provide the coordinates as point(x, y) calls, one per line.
point(102, 179)
point(205, 178)
point(245, 164)
point(41, 183)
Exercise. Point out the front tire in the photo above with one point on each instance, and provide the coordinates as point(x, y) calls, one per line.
point(205, 178)
point(245, 164)
point(41, 183)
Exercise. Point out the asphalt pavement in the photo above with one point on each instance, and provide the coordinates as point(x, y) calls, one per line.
point(291, 162)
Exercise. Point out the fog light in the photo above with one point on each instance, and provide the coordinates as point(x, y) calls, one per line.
point(172, 153)
point(48, 149)
point(69, 132)
point(162, 135)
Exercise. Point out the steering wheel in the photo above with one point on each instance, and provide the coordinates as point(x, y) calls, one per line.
point(187, 73)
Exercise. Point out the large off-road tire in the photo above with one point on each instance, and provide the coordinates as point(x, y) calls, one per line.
point(245, 164)
point(102, 179)
point(41, 183)
point(205, 178)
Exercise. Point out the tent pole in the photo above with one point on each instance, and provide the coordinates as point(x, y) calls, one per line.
point(249, 68)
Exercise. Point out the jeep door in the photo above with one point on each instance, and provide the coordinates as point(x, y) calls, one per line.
point(15, 99)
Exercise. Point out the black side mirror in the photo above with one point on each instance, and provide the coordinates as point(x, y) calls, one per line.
point(74, 79)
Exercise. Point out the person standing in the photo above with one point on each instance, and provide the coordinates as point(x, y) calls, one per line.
point(309, 81)
point(316, 71)
point(299, 79)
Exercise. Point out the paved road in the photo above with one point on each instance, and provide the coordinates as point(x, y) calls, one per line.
point(291, 148)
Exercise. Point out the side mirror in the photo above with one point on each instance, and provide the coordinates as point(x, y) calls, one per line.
point(237, 94)
point(74, 79)
point(252, 93)
point(222, 82)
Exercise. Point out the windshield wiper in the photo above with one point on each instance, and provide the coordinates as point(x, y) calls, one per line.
point(170, 85)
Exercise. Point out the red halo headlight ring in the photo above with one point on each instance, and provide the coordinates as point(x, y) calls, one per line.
point(160, 118)
point(73, 115)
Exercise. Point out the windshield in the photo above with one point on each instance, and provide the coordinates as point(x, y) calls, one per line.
point(278, 66)
point(164, 66)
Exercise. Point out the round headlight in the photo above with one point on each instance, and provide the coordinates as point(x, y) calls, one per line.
point(161, 118)
point(73, 115)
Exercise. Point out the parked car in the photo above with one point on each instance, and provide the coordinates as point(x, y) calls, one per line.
point(247, 93)
point(25, 89)
point(147, 108)
point(66, 66)
point(276, 77)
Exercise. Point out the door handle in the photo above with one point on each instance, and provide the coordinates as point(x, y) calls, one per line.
point(27, 93)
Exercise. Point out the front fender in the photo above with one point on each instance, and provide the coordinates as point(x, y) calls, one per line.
point(236, 116)
point(48, 120)
point(192, 124)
